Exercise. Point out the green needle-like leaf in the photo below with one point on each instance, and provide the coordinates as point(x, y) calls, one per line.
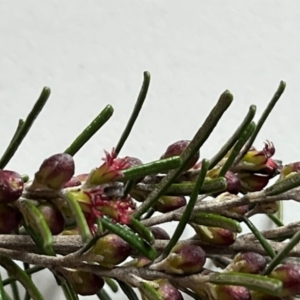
point(90, 130)
point(20, 125)
point(29, 271)
point(254, 282)
point(188, 210)
point(128, 290)
point(282, 254)
point(15, 290)
point(186, 188)
point(143, 231)
point(79, 217)
point(283, 185)
point(237, 148)
point(199, 139)
point(112, 284)
point(149, 291)
point(103, 295)
point(69, 291)
point(264, 243)
point(35, 219)
point(23, 128)
point(235, 137)
point(214, 220)
point(21, 276)
point(131, 238)
point(2, 291)
point(154, 167)
point(275, 220)
point(262, 120)
point(137, 108)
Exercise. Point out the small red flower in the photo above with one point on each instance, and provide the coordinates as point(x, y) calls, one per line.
point(109, 170)
point(95, 204)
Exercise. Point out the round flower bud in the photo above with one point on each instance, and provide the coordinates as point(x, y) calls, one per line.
point(11, 186)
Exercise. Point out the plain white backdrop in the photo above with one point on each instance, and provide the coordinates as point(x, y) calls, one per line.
point(94, 53)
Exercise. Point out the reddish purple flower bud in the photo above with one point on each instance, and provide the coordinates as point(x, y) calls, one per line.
point(53, 218)
point(177, 148)
point(11, 186)
point(85, 283)
point(233, 183)
point(55, 172)
point(232, 292)
point(167, 291)
point(232, 180)
point(113, 249)
point(159, 233)
point(252, 182)
point(215, 235)
point(183, 259)
point(10, 219)
point(132, 161)
point(72, 182)
point(249, 262)
point(289, 274)
point(77, 180)
point(169, 203)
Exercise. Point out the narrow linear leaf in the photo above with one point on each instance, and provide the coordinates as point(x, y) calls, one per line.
point(262, 120)
point(21, 276)
point(237, 148)
point(29, 271)
point(15, 290)
point(128, 290)
point(20, 125)
point(215, 220)
point(282, 254)
point(103, 295)
point(90, 130)
point(234, 138)
point(2, 291)
point(155, 167)
point(198, 140)
point(188, 210)
point(69, 291)
point(251, 281)
point(264, 243)
point(112, 284)
point(275, 220)
point(79, 217)
point(142, 230)
point(149, 291)
point(35, 219)
point(283, 186)
point(185, 189)
point(137, 108)
point(131, 238)
point(24, 128)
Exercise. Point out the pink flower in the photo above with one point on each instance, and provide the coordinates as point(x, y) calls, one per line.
point(111, 168)
point(95, 204)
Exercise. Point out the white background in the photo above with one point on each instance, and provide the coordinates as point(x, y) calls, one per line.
point(93, 53)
